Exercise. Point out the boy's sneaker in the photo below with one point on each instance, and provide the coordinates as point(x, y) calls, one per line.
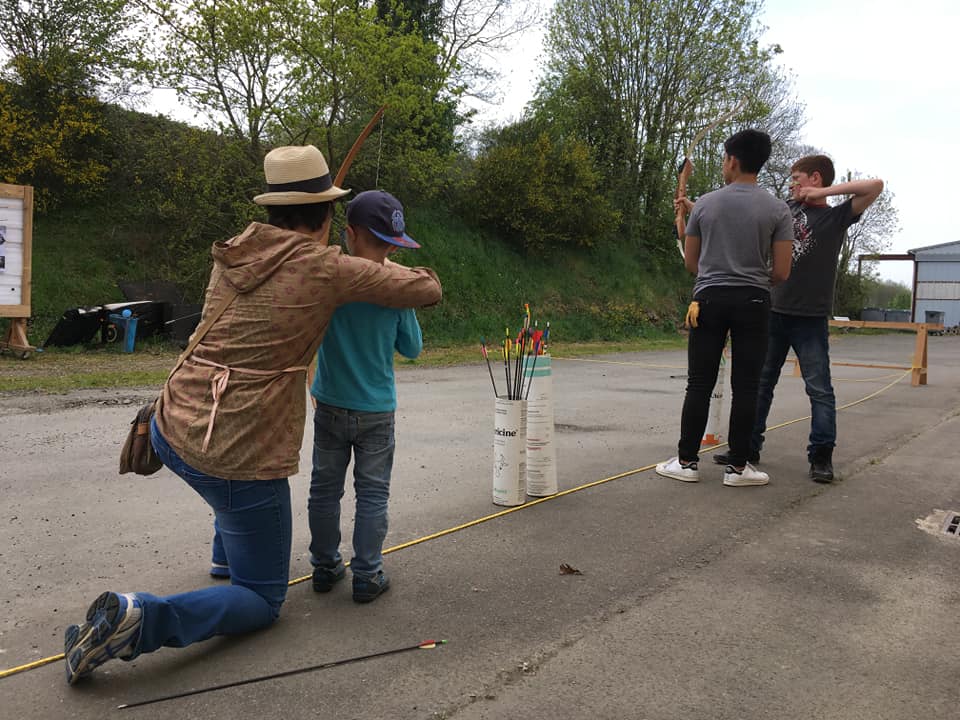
point(324, 578)
point(741, 478)
point(724, 458)
point(220, 571)
point(111, 631)
point(673, 468)
point(369, 589)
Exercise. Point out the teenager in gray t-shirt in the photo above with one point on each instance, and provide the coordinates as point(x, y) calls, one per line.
point(738, 241)
point(737, 226)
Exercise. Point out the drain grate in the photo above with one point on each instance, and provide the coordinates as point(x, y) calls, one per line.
point(951, 525)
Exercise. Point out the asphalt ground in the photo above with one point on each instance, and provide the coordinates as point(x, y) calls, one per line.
point(794, 600)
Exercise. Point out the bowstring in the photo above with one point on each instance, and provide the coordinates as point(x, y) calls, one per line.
point(376, 182)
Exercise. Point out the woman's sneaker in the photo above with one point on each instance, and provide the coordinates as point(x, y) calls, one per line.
point(111, 631)
point(748, 476)
point(673, 468)
point(220, 571)
point(369, 589)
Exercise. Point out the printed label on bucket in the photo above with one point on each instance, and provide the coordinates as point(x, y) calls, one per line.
point(541, 452)
point(509, 452)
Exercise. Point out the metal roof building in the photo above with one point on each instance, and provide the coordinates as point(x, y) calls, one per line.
point(936, 282)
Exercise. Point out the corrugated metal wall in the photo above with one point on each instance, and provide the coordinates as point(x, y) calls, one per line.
point(938, 283)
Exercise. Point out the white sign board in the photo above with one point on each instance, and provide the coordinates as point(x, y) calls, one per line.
point(15, 240)
point(11, 251)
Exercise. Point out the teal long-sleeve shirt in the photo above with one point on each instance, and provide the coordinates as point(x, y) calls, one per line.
point(355, 360)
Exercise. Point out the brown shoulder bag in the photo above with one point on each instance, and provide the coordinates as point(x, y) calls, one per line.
point(137, 455)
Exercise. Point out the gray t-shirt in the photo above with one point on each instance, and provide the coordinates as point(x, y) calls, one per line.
point(818, 236)
point(737, 225)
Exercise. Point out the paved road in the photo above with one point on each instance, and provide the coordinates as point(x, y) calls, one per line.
point(794, 600)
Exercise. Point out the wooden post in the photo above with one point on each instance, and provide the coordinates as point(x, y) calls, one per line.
point(919, 367)
point(16, 339)
point(16, 219)
point(919, 374)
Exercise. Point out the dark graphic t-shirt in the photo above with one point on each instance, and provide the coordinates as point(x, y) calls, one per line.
point(818, 234)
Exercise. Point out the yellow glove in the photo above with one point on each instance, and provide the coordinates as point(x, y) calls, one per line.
point(693, 312)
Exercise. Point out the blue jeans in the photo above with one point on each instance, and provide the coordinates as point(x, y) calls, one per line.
point(809, 338)
point(370, 437)
point(254, 519)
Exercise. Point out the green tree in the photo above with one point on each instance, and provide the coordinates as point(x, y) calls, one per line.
point(61, 57)
point(539, 194)
point(69, 47)
point(872, 235)
point(424, 17)
point(298, 71)
point(226, 59)
point(902, 300)
point(54, 148)
point(638, 80)
point(775, 174)
point(348, 64)
point(471, 32)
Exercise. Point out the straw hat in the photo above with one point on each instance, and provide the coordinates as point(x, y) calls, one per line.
point(297, 175)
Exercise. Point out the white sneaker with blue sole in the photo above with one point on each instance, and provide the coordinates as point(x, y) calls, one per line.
point(111, 631)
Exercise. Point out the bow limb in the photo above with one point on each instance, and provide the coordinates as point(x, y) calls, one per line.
point(680, 220)
point(686, 169)
point(345, 166)
point(355, 148)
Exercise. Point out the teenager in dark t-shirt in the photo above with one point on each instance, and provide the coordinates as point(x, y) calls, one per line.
point(801, 307)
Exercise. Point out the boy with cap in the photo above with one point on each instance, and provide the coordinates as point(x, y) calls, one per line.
point(356, 398)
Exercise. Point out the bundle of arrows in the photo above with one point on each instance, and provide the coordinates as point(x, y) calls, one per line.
point(518, 354)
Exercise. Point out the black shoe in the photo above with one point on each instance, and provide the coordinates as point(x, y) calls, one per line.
point(325, 578)
point(369, 589)
point(724, 458)
point(821, 465)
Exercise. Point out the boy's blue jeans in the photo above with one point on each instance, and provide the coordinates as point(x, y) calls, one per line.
point(255, 526)
point(370, 437)
point(810, 339)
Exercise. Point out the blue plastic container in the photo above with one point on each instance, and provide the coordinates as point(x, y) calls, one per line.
point(129, 325)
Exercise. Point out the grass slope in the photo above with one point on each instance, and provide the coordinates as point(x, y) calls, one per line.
point(605, 295)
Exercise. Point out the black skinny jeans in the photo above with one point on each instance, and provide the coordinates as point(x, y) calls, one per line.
point(744, 313)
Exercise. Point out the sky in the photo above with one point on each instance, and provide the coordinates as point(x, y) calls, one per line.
point(881, 87)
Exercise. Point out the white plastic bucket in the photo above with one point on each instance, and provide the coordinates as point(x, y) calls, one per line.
point(541, 451)
point(509, 451)
point(712, 435)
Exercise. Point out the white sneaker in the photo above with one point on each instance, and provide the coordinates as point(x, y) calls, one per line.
point(741, 478)
point(673, 468)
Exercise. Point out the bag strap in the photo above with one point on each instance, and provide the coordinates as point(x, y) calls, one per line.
point(205, 326)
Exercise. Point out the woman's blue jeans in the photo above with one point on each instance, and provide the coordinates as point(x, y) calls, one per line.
point(255, 527)
point(370, 438)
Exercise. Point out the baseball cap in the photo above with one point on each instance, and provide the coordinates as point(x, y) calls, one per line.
point(382, 214)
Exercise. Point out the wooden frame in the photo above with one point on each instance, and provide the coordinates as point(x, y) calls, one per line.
point(16, 337)
point(918, 368)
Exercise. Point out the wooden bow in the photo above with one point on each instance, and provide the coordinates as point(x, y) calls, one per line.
point(345, 166)
point(685, 169)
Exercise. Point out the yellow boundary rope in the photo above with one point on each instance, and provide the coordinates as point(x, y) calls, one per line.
point(684, 367)
point(502, 513)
